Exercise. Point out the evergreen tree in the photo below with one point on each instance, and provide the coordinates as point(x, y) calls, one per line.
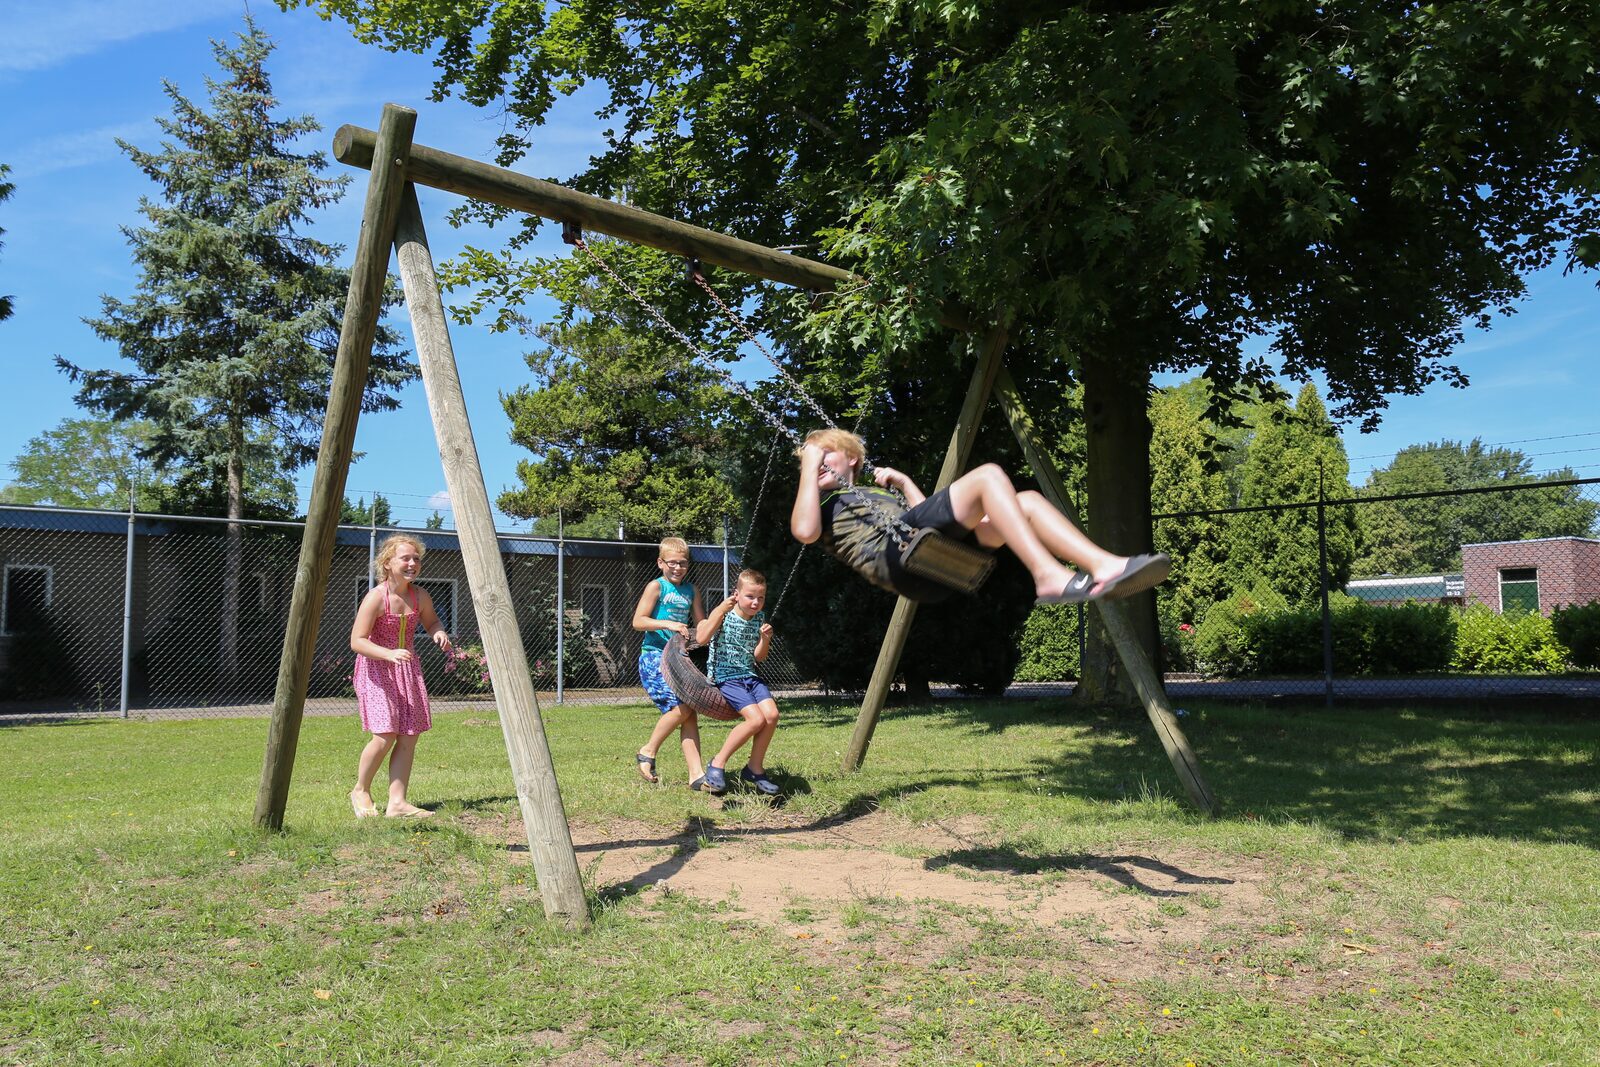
point(626, 427)
point(359, 514)
point(234, 327)
point(1182, 481)
point(1294, 455)
point(6, 189)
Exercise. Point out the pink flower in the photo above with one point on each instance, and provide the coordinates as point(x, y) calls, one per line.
point(1185, 627)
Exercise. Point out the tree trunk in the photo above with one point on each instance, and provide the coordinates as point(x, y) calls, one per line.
point(1117, 491)
point(232, 565)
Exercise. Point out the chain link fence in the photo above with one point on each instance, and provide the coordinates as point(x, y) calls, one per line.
point(157, 615)
point(1487, 593)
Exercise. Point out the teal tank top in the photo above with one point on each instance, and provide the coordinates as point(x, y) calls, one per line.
point(674, 604)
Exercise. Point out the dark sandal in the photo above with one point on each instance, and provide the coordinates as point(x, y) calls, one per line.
point(698, 785)
point(647, 767)
point(1078, 589)
point(1141, 573)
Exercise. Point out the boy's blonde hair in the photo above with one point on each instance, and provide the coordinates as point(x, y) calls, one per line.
point(672, 544)
point(833, 439)
point(391, 545)
point(754, 577)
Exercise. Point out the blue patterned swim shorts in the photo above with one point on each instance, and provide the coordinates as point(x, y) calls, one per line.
point(654, 684)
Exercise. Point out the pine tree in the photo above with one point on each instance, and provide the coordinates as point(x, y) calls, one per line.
point(1294, 455)
point(235, 323)
point(6, 189)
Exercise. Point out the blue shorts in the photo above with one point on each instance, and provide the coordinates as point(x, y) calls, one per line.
point(742, 692)
point(655, 685)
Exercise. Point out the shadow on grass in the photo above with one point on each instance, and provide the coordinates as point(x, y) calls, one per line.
point(1116, 868)
point(1382, 773)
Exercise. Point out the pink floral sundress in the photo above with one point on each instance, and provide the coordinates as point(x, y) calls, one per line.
point(392, 696)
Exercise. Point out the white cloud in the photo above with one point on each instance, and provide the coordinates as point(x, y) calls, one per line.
point(440, 501)
point(42, 34)
point(81, 148)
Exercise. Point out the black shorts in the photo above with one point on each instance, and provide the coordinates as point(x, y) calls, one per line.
point(936, 512)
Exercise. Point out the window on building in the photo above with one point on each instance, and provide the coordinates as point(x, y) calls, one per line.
point(1519, 590)
point(25, 598)
point(596, 601)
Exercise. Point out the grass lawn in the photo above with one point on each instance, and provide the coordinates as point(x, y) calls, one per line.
point(1004, 883)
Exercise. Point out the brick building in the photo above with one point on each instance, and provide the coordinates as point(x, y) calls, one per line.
point(1539, 575)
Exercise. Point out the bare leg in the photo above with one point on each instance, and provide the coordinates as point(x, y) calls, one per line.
point(690, 736)
point(405, 751)
point(985, 497)
point(753, 724)
point(367, 767)
point(769, 726)
point(666, 722)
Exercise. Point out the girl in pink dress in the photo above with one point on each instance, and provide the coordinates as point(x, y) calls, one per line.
point(388, 677)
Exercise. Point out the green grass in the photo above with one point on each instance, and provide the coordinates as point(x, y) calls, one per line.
point(1429, 897)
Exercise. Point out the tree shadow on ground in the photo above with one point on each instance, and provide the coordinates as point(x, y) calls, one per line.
point(1117, 868)
point(1366, 773)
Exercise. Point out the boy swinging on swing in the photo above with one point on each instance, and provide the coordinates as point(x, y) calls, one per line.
point(856, 524)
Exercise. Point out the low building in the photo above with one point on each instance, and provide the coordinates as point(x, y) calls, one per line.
point(1537, 575)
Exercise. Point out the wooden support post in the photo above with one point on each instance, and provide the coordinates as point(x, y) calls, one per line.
point(549, 839)
point(905, 611)
point(362, 307)
point(1137, 664)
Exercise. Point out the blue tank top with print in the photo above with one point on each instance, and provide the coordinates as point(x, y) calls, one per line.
point(674, 605)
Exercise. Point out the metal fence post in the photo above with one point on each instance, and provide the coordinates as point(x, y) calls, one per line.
point(1322, 572)
point(724, 557)
point(372, 544)
point(561, 619)
point(127, 605)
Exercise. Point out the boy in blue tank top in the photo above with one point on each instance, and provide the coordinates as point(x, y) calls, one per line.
point(669, 605)
point(743, 639)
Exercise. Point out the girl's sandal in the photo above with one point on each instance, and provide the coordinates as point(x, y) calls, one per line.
point(647, 767)
point(369, 810)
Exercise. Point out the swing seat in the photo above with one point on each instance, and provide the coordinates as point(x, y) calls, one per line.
point(951, 563)
point(688, 680)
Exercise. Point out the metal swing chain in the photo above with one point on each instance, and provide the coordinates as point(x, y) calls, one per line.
point(738, 321)
point(726, 378)
point(893, 526)
point(723, 375)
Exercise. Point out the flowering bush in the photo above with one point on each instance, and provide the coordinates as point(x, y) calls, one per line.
point(466, 668)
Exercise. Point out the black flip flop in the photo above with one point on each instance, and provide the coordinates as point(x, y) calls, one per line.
point(1078, 589)
point(1141, 573)
point(650, 763)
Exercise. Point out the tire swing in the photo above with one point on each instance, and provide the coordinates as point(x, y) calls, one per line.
point(689, 682)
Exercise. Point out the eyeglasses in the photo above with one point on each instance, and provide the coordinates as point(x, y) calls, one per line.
point(674, 563)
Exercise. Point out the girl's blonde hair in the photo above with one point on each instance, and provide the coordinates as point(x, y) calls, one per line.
point(833, 439)
point(391, 545)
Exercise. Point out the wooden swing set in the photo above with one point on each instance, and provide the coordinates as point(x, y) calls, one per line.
point(392, 216)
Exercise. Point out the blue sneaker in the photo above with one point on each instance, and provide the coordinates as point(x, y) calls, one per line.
point(716, 780)
point(762, 783)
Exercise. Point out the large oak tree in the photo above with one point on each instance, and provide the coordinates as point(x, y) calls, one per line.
point(1139, 187)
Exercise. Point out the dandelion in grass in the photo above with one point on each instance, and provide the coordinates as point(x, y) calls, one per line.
point(1166, 1011)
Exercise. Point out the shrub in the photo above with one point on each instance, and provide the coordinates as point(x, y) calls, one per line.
point(1224, 643)
point(1049, 644)
point(1408, 638)
point(1491, 643)
point(1578, 627)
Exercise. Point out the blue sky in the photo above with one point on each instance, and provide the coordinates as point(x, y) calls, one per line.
point(77, 74)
